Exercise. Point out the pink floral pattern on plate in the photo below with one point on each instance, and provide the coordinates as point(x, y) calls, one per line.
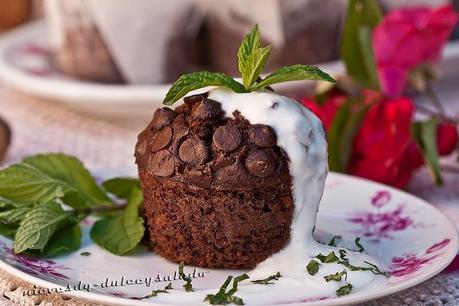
point(408, 264)
point(382, 223)
point(44, 268)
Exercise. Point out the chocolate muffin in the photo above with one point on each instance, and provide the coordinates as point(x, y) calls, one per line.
point(217, 189)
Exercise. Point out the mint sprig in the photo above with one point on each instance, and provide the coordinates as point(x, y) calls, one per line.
point(252, 58)
point(197, 80)
point(32, 211)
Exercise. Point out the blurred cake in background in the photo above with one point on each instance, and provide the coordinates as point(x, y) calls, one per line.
point(13, 12)
point(300, 31)
point(154, 41)
point(119, 41)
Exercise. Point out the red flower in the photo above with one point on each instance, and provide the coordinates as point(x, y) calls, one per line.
point(447, 138)
point(407, 38)
point(383, 149)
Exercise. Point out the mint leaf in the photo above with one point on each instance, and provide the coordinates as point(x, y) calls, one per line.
point(356, 48)
point(269, 280)
point(252, 58)
point(223, 297)
point(331, 257)
point(336, 277)
point(39, 225)
point(188, 286)
point(254, 65)
point(43, 178)
point(64, 241)
point(123, 232)
point(359, 245)
point(248, 46)
point(15, 215)
point(313, 267)
point(68, 169)
point(344, 290)
point(293, 73)
point(197, 80)
point(121, 187)
point(425, 134)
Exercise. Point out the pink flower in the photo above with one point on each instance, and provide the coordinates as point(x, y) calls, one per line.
point(407, 38)
point(381, 198)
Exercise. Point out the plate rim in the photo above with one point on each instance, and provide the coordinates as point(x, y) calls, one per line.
point(347, 300)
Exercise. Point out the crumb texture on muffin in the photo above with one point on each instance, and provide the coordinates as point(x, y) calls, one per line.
point(217, 189)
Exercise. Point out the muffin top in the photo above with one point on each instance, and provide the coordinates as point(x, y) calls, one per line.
point(199, 145)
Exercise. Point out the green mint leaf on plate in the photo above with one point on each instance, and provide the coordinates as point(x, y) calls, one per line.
point(188, 286)
point(197, 80)
point(39, 225)
point(332, 241)
point(223, 297)
point(121, 233)
point(14, 216)
point(65, 241)
point(344, 290)
point(269, 280)
point(121, 187)
point(156, 292)
point(331, 257)
point(313, 267)
point(359, 245)
point(293, 73)
point(336, 277)
point(43, 178)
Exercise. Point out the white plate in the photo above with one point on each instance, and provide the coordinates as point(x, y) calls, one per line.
point(403, 232)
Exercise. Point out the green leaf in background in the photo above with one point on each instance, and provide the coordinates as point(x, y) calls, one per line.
point(15, 215)
point(121, 187)
point(43, 178)
point(64, 241)
point(343, 130)
point(293, 73)
point(425, 134)
point(356, 48)
point(248, 46)
point(334, 138)
point(197, 80)
point(123, 232)
point(42, 222)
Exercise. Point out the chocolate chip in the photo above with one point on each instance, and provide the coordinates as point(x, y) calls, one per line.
point(206, 109)
point(162, 140)
point(193, 151)
point(163, 117)
point(232, 177)
point(227, 138)
point(190, 100)
point(200, 178)
point(262, 135)
point(141, 146)
point(260, 163)
point(162, 164)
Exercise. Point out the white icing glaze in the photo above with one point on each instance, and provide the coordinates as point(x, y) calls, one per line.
point(300, 134)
